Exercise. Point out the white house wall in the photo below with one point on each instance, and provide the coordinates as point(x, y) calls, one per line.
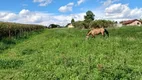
point(135, 23)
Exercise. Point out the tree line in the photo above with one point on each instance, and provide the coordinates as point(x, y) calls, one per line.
point(89, 22)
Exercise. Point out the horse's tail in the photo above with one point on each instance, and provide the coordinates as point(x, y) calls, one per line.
point(106, 32)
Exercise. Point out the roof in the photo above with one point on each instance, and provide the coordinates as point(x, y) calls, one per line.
point(129, 21)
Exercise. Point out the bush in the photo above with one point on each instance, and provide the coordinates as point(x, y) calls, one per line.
point(79, 24)
point(94, 24)
point(102, 23)
point(54, 26)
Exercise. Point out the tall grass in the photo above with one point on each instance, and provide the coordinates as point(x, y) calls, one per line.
point(64, 54)
point(14, 29)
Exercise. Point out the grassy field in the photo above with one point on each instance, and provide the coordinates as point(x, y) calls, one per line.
point(64, 54)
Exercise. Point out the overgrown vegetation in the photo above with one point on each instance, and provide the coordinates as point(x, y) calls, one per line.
point(95, 24)
point(55, 26)
point(13, 33)
point(14, 29)
point(90, 22)
point(102, 23)
point(64, 54)
point(7, 42)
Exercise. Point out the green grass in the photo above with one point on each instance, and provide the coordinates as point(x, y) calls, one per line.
point(64, 54)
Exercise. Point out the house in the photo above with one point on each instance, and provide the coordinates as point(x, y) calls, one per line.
point(131, 22)
point(70, 25)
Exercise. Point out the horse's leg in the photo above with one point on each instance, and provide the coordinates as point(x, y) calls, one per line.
point(103, 34)
point(87, 37)
point(93, 35)
point(88, 34)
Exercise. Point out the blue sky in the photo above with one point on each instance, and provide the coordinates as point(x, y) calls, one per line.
point(61, 12)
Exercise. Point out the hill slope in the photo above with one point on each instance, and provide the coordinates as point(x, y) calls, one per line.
point(65, 54)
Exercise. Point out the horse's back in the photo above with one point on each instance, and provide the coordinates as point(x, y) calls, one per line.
point(99, 30)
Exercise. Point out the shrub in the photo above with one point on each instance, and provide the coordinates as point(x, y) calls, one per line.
point(102, 23)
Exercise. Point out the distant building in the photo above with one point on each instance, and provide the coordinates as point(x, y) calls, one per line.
point(131, 22)
point(70, 25)
point(119, 25)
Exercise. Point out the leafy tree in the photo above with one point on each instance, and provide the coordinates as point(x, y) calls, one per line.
point(54, 26)
point(88, 18)
point(72, 21)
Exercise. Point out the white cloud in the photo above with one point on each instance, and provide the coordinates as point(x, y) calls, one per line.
point(108, 2)
point(43, 2)
point(113, 12)
point(24, 12)
point(7, 16)
point(31, 17)
point(117, 11)
point(65, 19)
point(78, 17)
point(66, 8)
point(80, 1)
point(11, 17)
point(2, 14)
point(136, 13)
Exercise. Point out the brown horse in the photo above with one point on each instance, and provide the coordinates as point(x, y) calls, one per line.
point(96, 31)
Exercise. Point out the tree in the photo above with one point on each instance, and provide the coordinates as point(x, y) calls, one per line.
point(88, 18)
point(72, 21)
point(54, 26)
